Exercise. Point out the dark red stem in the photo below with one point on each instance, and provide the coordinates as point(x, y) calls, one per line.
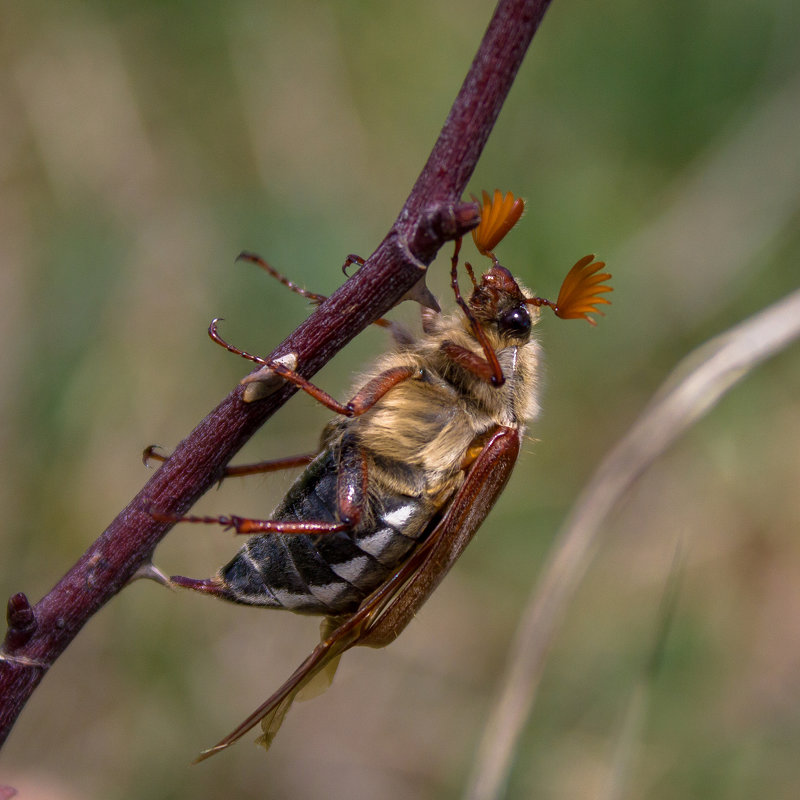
point(432, 215)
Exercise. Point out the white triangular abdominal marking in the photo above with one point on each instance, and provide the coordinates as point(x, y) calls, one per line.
point(398, 517)
point(353, 569)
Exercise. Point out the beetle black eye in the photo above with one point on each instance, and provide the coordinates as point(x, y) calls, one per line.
point(515, 321)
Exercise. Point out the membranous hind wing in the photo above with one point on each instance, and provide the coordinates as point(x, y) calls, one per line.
point(383, 615)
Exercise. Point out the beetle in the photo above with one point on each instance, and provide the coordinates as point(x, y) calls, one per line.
point(406, 473)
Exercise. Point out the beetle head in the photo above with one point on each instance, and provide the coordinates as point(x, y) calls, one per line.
point(498, 299)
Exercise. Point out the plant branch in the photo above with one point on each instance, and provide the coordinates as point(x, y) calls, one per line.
point(432, 215)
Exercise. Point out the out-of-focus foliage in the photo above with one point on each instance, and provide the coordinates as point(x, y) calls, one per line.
point(144, 144)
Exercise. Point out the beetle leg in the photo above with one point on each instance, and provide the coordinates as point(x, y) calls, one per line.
point(471, 273)
point(496, 377)
point(314, 297)
point(351, 496)
point(272, 465)
point(351, 481)
point(374, 390)
point(351, 492)
point(211, 586)
point(245, 525)
point(470, 361)
point(364, 400)
point(149, 454)
point(353, 259)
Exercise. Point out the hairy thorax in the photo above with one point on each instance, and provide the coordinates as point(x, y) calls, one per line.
point(419, 435)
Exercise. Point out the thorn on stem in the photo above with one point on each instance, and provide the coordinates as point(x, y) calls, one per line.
point(149, 571)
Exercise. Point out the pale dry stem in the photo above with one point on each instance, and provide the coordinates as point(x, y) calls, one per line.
point(699, 381)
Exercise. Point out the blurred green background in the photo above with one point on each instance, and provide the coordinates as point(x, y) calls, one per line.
point(144, 144)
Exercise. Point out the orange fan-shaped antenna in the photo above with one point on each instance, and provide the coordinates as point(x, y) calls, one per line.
point(580, 292)
point(499, 215)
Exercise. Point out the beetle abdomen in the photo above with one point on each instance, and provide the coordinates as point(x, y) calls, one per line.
point(325, 573)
